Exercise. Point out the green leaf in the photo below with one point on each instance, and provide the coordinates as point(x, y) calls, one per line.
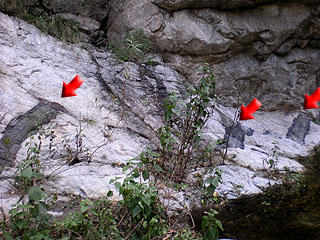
point(125, 168)
point(154, 154)
point(42, 207)
point(13, 211)
point(147, 210)
point(135, 173)
point(6, 141)
point(145, 175)
point(35, 193)
point(153, 220)
point(146, 200)
point(158, 168)
point(136, 211)
point(219, 224)
point(84, 208)
point(117, 185)
point(27, 173)
point(20, 223)
point(110, 193)
point(144, 224)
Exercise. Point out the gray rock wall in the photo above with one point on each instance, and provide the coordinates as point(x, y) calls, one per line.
point(263, 49)
point(123, 101)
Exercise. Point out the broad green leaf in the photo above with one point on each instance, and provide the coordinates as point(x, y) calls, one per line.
point(20, 223)
point(35, 193)
point(117, 185)
point(153, 220)
point(136, 211)
point(155, 154)
point(125, 168)
point(157, 168)
point(84, 208)
point(219, 224)
point(27, 173)
point(135, 173)
point(145, 175)
point(146, 200)
point(144, 224)
point(42, 207)
point(110, 193)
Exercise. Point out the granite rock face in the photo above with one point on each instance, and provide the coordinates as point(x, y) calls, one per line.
point(220, 4)
point(119, 108)
point(262, 49)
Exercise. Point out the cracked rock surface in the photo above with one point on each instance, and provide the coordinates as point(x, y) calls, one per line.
point(265, 49)
point(119, 107)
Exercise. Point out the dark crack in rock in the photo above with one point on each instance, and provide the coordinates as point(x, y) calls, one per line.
point(237, 134)
point(299, 128)
point(21, 127)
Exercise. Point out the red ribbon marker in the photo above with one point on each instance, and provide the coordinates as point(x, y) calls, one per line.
point(246, 112)
point(68, 90)
point(312, 100)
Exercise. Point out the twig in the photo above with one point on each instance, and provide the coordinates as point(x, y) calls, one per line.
point(134, 229)
point(189, 213)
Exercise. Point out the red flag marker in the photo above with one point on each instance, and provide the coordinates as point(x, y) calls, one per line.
point(311, 101)
point(246, 112)
point(68, 90)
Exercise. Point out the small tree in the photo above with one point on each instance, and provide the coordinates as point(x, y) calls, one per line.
point(181, 135)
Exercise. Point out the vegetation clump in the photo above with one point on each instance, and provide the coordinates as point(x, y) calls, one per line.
point(133, 48)
point(65, 30)
point(180, 138)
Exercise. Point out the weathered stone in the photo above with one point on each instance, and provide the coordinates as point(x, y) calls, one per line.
point(23, 126)
point(299, 128)
point(235, 135)
point(239, 181)
point(96, 9)
point(119, 106)
point(84, 23)
point(245, 47)
point(219, 4)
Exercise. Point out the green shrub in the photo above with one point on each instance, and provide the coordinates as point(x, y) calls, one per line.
point(210, 226)
point(141, 198)
point(209, 196)
point(181, 135)
point(93, 221)
point(55, 26)
point(29, 220)
point(133, 48)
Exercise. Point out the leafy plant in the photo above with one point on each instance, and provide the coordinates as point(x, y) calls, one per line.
point(65, 30)
point(28, 172)
point(210, 226)
point(141, 198)
point(272, 157)
point(181, 135)
point(209, 189)
point(55, 26)
point(133, 48)
point(93, 221)
point(29, 220)
point(186, 234)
